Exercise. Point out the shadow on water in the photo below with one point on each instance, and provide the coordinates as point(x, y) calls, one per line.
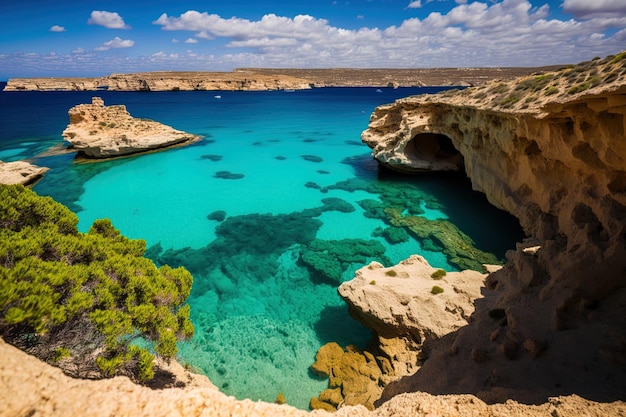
point(493, 230)
point(336, 325)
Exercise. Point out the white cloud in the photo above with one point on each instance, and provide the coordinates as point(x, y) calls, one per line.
point(191, 40)
point(110, 20)
point(595, 8)
point(116, 42)
point(57, 28)
point(415, 4)
point(471, 34)
point(479, 33)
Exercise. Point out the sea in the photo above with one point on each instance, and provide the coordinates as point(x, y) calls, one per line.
point(276, 174)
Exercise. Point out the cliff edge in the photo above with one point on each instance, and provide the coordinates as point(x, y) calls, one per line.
point(551, 150)
point(99, 131)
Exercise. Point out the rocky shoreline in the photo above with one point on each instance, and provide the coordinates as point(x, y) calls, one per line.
point(99, 131)
point(260, 79)
point(549, 149)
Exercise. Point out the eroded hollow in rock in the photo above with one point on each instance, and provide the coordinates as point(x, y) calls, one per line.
point(435, 149)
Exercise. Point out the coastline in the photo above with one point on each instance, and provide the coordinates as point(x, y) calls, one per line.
point(267, 79)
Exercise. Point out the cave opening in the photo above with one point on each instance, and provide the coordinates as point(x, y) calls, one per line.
point(435, 149)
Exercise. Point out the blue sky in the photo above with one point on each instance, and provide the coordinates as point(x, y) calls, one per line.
point(40, 38)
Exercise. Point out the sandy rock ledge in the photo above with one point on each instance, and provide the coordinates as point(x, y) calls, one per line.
point(20, 172)
point(29, 387)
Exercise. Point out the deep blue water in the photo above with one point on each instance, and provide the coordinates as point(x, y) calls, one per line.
point(276, 174)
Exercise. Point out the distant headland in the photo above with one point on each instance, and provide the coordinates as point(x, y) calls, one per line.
point(263, 79)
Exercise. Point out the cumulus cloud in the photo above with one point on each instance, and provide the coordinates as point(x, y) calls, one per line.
point(415, 4)
point(586, 9)
point(116, 42)
point(479, 33)
point(191, 40)
point(110, 20)
point(57, 28)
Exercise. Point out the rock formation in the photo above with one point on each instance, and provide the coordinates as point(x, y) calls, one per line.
point(271, 79)
point(408, 306)
point(163, 81)
point(99, 131)
point(20, 172)
point(551, 150)
point(31, 387)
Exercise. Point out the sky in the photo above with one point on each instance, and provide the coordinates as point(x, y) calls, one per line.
point(48, 38)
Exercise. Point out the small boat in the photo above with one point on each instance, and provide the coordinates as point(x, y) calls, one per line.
point(218, 97)
point(378, 90)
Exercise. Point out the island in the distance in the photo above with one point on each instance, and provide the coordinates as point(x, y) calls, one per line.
point(263, 79)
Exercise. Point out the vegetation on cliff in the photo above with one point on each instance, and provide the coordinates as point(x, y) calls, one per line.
point(89, 303)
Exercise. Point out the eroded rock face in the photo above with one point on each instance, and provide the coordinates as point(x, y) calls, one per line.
point(31, 387)
point(99, 131)
point(551, 150)
point(163, 81)
point(20, 172)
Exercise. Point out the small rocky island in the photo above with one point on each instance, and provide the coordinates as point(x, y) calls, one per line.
point(99, 131)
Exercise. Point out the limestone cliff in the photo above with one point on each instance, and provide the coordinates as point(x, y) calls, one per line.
point(99, 131)
point(551, 150)
point(20, 172)
point(163, 81)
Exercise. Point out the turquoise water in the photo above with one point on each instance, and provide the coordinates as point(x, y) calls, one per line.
point(276, 173)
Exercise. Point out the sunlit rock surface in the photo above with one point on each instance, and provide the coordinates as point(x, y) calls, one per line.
point(99, 131)
point(551, 150)
point(20, 172)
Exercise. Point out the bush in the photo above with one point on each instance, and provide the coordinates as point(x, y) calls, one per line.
point(436, 290)
point(438, 274)
point(90, 297)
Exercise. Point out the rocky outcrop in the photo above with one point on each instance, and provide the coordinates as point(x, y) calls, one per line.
point(20, 172)
point(163, 81)
point(408, 306)
point(551, 150)
point(99, 131)
point(31, 387)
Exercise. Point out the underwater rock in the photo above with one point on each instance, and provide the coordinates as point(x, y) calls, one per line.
point(311, 184)
point(213, 158)
point(446, 237)
point(218, 215)
point(313, 158)
point(330, 258)
point(99, 131)
point(395, 235)
point(227, 175)
point(354, 377)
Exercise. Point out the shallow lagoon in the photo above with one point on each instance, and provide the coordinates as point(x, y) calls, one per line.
point(276, 173)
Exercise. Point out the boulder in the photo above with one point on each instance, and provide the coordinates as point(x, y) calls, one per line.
point(20, 172)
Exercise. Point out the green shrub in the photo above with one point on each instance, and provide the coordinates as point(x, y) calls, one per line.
point(373, 282)
point(391, 273)
point(436, 290)
point(551, 90)
point(65, 288)
point(438, 274)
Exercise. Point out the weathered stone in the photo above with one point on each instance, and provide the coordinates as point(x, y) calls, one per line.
point(20, 172)
point(358, 372)
point(99, 131)
point(549, 149)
